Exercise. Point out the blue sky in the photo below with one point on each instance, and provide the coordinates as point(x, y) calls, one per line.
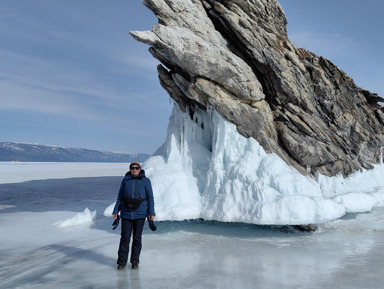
point(71, 75)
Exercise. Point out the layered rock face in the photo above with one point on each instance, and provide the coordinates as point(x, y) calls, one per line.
point(235, 56)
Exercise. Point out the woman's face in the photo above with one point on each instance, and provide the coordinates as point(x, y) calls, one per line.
point(135, 170)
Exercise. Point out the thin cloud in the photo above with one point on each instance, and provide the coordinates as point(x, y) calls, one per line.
point(326, 45)
point(27, 83)
point(27, 71)
point(38, 100)
point(142, 62)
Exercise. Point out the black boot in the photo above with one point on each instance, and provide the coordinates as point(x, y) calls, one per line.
point(135, 265)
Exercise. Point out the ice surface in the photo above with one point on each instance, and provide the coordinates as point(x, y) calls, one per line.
point(35, 253)
point(206, 169)
point(26, 171)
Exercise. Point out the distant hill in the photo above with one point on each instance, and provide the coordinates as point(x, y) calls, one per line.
point(43, 153)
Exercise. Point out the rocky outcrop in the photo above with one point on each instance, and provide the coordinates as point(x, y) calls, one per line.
point(235, 56)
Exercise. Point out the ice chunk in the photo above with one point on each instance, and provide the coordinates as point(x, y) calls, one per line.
point(84, 217)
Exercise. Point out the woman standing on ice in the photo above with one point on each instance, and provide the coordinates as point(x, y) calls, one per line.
point(135, 202)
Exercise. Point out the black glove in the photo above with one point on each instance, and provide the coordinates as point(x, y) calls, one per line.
point(152, 225)
point(116, 222)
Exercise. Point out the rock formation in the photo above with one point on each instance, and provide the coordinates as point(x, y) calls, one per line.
point(235, 56)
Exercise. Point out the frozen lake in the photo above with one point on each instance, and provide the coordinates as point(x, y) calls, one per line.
point(37, 253)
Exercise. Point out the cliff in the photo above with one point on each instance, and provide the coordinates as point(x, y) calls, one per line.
point(234, 56)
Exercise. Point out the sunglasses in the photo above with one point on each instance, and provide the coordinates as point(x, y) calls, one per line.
point(134, 168)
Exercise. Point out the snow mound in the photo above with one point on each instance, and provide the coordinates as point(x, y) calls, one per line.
point(206, 169)
point(82, 218)
point(109, 210)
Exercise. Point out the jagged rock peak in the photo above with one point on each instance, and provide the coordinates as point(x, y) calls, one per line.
point(235, 56)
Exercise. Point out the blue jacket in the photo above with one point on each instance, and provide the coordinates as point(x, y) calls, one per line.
point(135, 188)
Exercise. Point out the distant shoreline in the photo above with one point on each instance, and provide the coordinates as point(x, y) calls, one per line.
point(24, 152)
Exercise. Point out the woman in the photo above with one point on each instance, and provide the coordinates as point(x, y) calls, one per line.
point(135, 202)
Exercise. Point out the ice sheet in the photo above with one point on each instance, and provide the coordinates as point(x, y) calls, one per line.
point(14, 172)
point(345, 253)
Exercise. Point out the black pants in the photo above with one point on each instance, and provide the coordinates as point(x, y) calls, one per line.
point(128, 228)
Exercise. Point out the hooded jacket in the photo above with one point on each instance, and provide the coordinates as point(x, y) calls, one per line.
point(135, 188)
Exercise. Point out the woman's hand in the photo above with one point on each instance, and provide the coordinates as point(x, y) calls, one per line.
point(114, 216)
point(151, 218)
